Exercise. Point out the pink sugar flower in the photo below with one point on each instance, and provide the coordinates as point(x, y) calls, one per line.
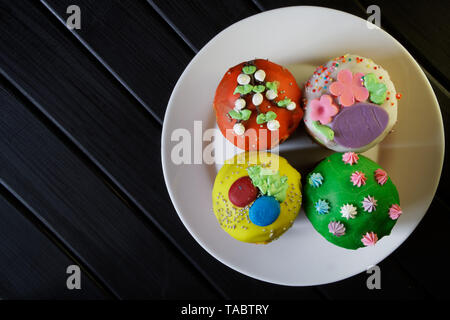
point(336, 228)
point(358, 178)
point(369, 204)
point(369, 239)
point(323, 110)
point(395, 211)
point(381, 176)
point(350, 158)
point(349, 88)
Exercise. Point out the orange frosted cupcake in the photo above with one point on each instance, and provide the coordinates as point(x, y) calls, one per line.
point(257, 105)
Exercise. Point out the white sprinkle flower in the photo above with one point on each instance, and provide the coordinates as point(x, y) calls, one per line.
point(273, 125)
point(260, 75)
point(270, 94)
point(257, 99)
point(348, 211)
point(291, 106)
point(239, 129)
point(243, 79)
point(239, 104)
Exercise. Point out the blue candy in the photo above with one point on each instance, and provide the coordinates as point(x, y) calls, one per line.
point(264, 211)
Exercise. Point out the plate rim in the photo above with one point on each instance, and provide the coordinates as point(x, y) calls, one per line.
point(164, 146)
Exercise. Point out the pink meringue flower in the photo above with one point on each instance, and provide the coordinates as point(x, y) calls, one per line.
point(350, 158)
point(395, 211)
point(369, 239)
point(349, 88)
point(336, 228)
point(369, 204)
point(358, 178)
point(323, 110)
point(381, 176)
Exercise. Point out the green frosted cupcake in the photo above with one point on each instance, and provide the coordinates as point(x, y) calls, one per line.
point(351, 201)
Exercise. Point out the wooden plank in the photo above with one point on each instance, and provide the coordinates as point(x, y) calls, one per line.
point(443, 97)
point(199, 21)
point(425, 253)
point(418, 27)
point(354, 8)
point(393, 286)
point(128, 256)
point(109, 129)
point(32, 266)
point(423, 28)
point(134, 44)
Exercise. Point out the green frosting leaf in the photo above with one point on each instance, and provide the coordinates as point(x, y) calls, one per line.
point(243, 89)
point(269, 182)
point(265, 117)
point(240, 115)
point(259, 88)
point(273, 86)
point(245, 114)
point(325, 130)
point(249, 69)
point(283, 103)
point(376, 89)
point(235, 114)
point(261, 118)
point(270, 115)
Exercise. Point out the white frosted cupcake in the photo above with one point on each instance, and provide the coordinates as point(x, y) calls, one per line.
point(350, 104)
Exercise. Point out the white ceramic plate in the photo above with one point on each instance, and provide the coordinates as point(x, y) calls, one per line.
point(301, 38)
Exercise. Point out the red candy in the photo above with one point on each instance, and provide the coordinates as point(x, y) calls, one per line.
point(242, 192)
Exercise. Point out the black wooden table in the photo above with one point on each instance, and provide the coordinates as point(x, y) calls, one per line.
point(80, 169)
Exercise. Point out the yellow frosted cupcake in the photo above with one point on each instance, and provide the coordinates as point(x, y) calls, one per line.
point(256, 196)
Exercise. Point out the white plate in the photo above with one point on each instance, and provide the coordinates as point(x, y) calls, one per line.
point(301, 38)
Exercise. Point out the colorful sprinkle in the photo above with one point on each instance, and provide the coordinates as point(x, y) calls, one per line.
point(395, 211)
point(369, 204)
point(358, 178)
point(369, 239)
point(322, 206)
point(350, 158)
point(336, 228)
point(315, 179)
point(349, 211)
point(381, 176)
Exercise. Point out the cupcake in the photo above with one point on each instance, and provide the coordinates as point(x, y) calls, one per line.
point(351, 201)
point(350, 104)
point(257, 105)
point(256, 196)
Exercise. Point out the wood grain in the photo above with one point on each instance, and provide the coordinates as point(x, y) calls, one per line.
point(419, 26)
point(422, 27)
point(425, 251)
point(112, 131)
point(134, 44)
point(197, 22)
point(103, 91)
point(125, 254)
point(32, 266)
